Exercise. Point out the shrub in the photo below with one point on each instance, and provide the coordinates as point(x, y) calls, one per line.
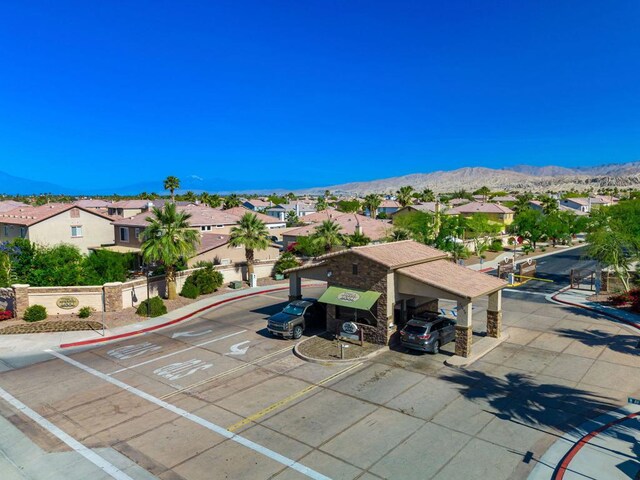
point(619, 299)
point(207, 279)
point(35, 313)
point(543, 249)
point(287, 260)
point(85, 312)
point(496, 245)
point(190, 289)
point(156, 307)
point(6, 314)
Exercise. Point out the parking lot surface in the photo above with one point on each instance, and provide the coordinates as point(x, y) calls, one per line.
point(217, 397)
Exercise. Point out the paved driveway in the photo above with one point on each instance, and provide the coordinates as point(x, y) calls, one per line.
point(218, 398)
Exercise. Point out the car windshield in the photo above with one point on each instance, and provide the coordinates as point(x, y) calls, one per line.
point(415, 329)
point(293, 310)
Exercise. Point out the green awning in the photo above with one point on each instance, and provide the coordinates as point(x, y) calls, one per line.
point(345, 297)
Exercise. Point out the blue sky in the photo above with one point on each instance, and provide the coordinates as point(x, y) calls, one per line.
point(294, 94)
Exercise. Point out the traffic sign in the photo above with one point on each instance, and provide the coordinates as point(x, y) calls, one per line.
point(634, 401)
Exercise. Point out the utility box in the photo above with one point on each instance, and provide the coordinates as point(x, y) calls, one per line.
point(253, 280)
point(236, 284)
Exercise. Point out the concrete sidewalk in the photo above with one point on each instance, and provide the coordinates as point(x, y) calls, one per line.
point(20, 350)
point(493, 264)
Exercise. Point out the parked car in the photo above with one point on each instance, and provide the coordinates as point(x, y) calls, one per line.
point(428, 333)
point(294, 318)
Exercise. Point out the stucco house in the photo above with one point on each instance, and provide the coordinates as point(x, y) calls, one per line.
point(585, 204)
point(494, 211)
point(256, 204)
point(214, 247)
point(128, 208)
point(57, 223)
point(301, 209)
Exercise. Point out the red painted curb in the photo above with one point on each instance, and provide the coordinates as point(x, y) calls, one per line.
point(558, 474)
point(606, 314)
point(171, 322)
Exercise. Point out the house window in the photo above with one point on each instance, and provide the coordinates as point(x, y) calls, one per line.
point(23, 232)
point(76, 231)
point(219, 226)
point(137, 232)
point(124, 234)
point(205, 228)
point(354, 269)
point(6, 230)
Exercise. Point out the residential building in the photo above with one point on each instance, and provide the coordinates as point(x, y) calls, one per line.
point(56, 223)
point(427, 207)
point(257, 204)
point(537, 205)
point(350, 223)
point(214, 247)
point(494, 211)
point(585, 204)
point(128, 208)
point(7, 205)
point(204, 219)
point(97, 205)
point(301, 209)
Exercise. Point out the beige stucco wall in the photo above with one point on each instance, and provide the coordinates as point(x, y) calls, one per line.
point(48, 297)
point(227, 254)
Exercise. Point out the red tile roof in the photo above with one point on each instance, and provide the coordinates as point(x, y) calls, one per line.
point(480, 207)
point(374, 229)
point(31, 215)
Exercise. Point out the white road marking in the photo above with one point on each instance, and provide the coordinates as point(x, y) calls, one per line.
point(176, 353)
point(130, 351)
point(288, 462)
point(525, 292)
point(236, 350)
point(182, 369)
point(86, 452)
point(190, 334)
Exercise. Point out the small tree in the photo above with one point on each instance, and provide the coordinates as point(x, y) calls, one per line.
point(530, 225)
point(328, 235)
point(252, 234)
point(404, 195)
point(372, 203)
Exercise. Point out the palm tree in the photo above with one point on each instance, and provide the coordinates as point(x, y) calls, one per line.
point(321, 204)
point(427, 195)
point(371, 203)
point(484, 191)
point(190, 196)
point(252, 234)
point(231, 201)
point(214, 201)
point(404, 195)
point(399, 234)
point(167, 239)
point(172, 183)
point(549, 204)
point(328, 235)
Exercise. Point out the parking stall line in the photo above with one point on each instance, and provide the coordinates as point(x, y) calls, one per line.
point(79, 448)
point(289, 399)
point(288, 462)
point(224, 374)
point(197, 345)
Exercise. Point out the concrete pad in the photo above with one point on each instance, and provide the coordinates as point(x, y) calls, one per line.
point(538, 322)
point(551, 341)
point(481, 347)
point(521, 336)
point(513, 434)
point(616, 377)
point(581, 350)
point(422, 455)
point(262, 395)
point(568, 367)
point(502, 353)
point(425, 399)
point(277, 442)
point(623, 357)
point(320, 417)
point(531, 359)
point(424, 363)
point(314, 372)
point(464, 415)
point(384, 430)
point(378, 383)
point(230, 385)
point(482, 460)
point(325, 464)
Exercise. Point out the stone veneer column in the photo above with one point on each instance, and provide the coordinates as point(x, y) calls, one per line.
point(464, 332)
point(20, 299)
point(494, 315)
point(112, 296)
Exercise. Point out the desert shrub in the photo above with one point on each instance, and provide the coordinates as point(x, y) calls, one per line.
point(190, 289)
point(156, 307)
point(35, 313)
point(496, 245)
point(619, 299)
point(207, 279)
point(287, 260)
point(6, 314)
point(85, 312)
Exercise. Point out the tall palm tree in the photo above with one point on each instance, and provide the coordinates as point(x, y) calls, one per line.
point(549, 204)
point(172, 183)
point(231, 201)
point(190, 196)
point(328, 235)
point(167, 239)
point(371, 203)
point(484, 191)
point(321, 204)
point(252, 234)
point(405, 195)
point(427, 195)
point(214, 201)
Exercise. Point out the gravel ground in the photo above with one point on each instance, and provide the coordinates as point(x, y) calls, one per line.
point(324, 347)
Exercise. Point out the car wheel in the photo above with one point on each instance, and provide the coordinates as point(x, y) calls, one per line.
point(297, 332)
point(436, 347)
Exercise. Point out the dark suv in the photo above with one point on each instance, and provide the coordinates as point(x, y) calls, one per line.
point(427, 333)
point(291, 322)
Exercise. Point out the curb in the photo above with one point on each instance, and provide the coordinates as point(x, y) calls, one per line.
point(322, 361)
point(586, 307)
point(169, 323)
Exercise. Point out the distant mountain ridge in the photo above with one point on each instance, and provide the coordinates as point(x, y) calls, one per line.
point(518, 177)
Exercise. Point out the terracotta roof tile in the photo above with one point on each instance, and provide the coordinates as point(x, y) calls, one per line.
point(480, 207)
point(374, 229)
point(453, 278)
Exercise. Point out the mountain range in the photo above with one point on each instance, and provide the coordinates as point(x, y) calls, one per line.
point(516, 178)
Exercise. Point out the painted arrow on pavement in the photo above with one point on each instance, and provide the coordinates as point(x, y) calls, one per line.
point(236, 350)
point(190, 334)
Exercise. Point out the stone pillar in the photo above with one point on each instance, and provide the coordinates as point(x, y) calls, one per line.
point(494, 315)
point(295, 287)
point(464, 332)
point(112, 295)
point(20, 299)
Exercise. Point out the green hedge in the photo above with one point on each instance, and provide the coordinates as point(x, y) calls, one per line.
point(156, 307)
point(85, 312)
point(35, 313)
point(190, 289)
point(207, 279)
